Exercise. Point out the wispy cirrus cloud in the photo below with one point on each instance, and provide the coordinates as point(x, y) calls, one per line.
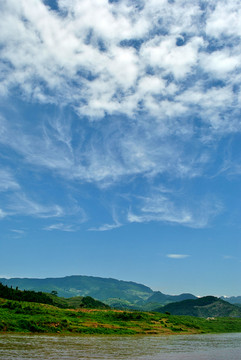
point(7, 181)
point(22, 205)
point(19, 232)
point(110, 226)
point(168, 208)
point(145, 147)
point(106, 227)
point(61, 227)
point(177, 256)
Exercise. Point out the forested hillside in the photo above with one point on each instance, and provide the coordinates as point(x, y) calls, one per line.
point(208, 306)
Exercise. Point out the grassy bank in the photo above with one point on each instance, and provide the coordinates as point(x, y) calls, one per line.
point(16, 316)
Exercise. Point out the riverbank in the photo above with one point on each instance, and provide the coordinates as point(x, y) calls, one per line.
point(25, 317)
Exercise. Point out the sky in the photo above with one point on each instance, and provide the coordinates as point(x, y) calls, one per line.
point(120, 142)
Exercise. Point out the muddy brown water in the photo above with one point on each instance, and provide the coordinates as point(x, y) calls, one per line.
point(177, 347)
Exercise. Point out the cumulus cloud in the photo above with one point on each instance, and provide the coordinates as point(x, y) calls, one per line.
point(224, 19)
point(220, 63)
point(106, 57)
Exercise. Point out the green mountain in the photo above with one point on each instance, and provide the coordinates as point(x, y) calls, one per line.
point(99, 288)
point(115, 293)
point(208, 306)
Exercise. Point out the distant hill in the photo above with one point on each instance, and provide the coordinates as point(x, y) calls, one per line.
point(115, 293)
point(208, 306)
point(232, 300)
point(79, 285)
point(159, 297)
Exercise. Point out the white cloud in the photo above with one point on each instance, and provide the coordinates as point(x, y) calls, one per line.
point(183, 70)
point(177, 256)
point(164, 208)
point(7, 181)
point(17, 231)
point(20, 204)
point(74, 57)
point(3, 214)
point(224, 19)
point(220, 62)
point(106, 227)
point(61, 227)
point(136, 149)
point(164, 54)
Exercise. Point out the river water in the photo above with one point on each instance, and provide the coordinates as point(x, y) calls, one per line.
point(176, 347)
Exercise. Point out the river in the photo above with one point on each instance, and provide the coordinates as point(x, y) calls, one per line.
point(176, 347)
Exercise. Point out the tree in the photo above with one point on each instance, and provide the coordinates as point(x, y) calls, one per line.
point(54, 292)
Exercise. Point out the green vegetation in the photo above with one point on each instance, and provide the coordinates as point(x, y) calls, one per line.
point(16, 316)
point(31, 296)
point(208, 306)
point(47, 313)
point(78, 302)
point(51, 299)
point(116, 293)
point(38, 312)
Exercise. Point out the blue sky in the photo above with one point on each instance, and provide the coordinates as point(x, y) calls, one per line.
point(120, 142)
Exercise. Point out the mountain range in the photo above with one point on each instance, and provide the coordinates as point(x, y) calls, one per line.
point(116, 293)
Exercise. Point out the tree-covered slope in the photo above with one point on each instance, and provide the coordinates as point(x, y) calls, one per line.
point(78, 302)
point(96, 287)
point(116, 293)
point(208, 306)
point(26, 295)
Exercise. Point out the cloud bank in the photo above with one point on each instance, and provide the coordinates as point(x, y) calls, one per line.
point(159, 58)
